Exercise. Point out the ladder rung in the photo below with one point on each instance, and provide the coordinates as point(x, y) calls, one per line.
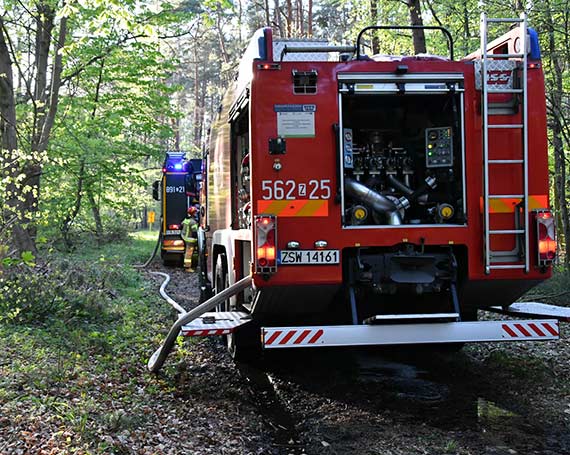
point(507, 231)
point(503, 55)
point(506, 196)
point(505, 91)
point(514, 266)
point(505, 20)
point(506, 161)
point(505, 126)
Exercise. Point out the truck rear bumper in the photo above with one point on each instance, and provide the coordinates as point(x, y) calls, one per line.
point(396, 334)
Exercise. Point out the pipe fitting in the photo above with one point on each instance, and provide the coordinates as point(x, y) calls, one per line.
point(379, 203)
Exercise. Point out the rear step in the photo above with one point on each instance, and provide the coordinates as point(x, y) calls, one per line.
point(215, 323)
point(159, 356)
point(385, 318)
point(534, 309)
point(395, 334)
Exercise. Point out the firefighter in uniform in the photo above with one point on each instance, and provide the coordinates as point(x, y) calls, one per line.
point(189, 233)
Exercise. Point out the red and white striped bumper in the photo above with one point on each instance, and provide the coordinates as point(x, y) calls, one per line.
point(206, 333)
point(531, 329)
point(447, 332)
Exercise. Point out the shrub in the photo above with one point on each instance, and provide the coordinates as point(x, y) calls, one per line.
point(33, 294)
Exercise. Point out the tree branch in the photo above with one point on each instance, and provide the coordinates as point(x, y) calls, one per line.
point(15, 61)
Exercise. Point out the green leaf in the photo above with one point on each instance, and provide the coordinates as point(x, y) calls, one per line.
point(28, 258)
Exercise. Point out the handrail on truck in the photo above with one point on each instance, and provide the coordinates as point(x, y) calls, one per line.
point(157, 359)
point(405, 27)
point(315, 49)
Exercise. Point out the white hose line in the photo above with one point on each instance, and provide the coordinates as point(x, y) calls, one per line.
point(164, 295)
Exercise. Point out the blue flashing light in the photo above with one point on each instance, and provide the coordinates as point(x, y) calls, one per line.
point(534, 44)
point(178, 166)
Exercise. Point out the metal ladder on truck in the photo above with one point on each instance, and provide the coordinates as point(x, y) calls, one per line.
point(519, 258)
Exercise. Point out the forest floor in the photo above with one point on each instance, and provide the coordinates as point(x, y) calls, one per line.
point(82, 386)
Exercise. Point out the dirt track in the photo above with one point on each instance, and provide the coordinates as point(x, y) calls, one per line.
point(487, 399)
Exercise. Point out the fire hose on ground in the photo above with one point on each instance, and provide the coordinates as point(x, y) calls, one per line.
point(163, 293)
point(158, 358)
point(153, 255)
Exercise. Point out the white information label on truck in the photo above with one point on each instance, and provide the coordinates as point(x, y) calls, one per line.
point(295, 120)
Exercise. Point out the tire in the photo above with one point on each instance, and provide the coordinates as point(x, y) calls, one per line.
point(242, 345)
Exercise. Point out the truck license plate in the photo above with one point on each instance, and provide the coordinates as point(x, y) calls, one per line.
point(308, 257)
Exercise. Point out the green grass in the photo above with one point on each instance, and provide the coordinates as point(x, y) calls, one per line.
point(555, 291)
point(83, 372)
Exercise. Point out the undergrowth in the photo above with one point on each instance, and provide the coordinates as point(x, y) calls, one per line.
point(555, 291)
point(83, 287)
point(72, 326)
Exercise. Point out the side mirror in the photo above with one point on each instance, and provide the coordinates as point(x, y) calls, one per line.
point(155, 190)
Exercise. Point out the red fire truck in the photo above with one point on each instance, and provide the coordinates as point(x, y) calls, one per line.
point(377, 199)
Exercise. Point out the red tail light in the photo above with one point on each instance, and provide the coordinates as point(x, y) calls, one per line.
point(173, 227)
point(266, 232)
point(546, 237)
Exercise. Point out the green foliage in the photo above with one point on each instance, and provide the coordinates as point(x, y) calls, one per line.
point(37, 295)
point(114, 117)
point(84, 372)
point(110, 133)
point(70, 291)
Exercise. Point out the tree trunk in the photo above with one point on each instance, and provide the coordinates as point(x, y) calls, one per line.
point(175, 123)
point(266, 12)
point(556, 99)
point(13, 210)
point(374, 20)
point(310, 19)
point(221, 39)
point(240, 19)
point(32, 169)
point(466, 31)
point(44, 26)
point(7, 104)
point(198, 108)
point(278, 21)
point(418, 35)
point(82, 174)
point(300, 22)
point(46, 107)
point(96, 213)
point(289, 6)
point(144, 220)
point(68, 221)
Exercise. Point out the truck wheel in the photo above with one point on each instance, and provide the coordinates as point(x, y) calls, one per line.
point(242, 345)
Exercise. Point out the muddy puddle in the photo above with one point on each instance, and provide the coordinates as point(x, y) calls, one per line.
point(447, 392)
point(264, 394)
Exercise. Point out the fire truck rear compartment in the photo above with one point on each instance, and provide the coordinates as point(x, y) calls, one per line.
point(402, 159)
point(403, 280)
